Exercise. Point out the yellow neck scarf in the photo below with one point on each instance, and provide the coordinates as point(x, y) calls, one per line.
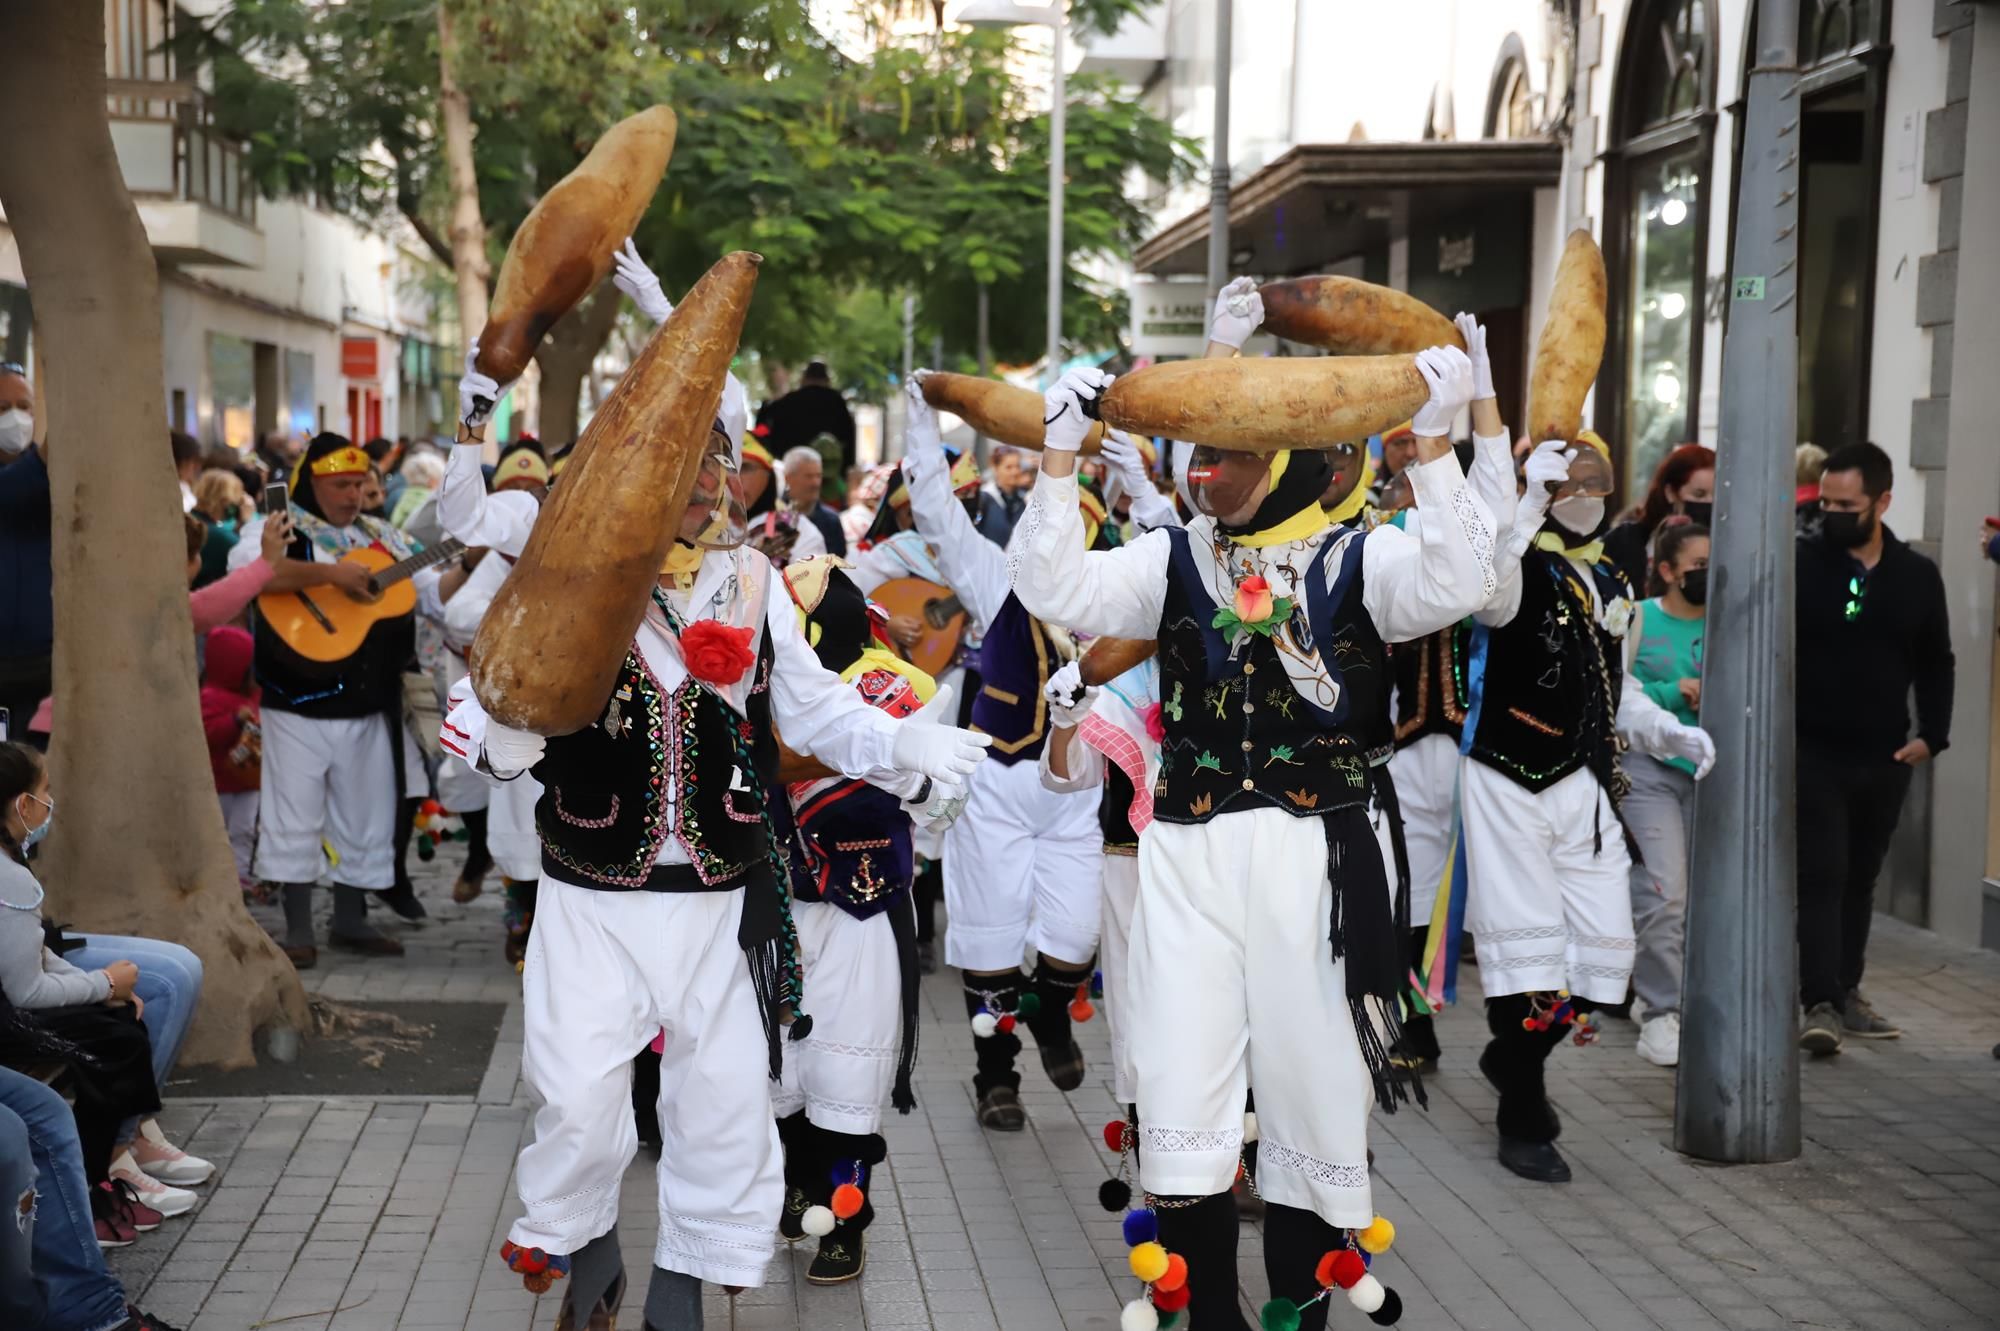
point(879, 658)
point(1582, 554)
point(1306, 522)
point(682, 563)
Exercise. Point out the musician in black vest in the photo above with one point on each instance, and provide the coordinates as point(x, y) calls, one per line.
point(1548, 901)
point(333, 733)
point(663, 910)
point(1275, 694)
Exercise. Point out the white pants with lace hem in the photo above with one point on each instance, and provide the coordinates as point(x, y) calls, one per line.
point(841, 1073)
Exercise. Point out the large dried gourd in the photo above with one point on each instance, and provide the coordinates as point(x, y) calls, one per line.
point(1350, 317)
point(1000, 411)
point(1265, 405)
point(1572, 343)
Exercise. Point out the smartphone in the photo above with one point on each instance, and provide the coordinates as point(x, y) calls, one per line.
point(277, 498)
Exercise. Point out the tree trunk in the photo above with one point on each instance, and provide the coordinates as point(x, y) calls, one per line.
point(565, 356)
point(140, 848)
point(467, 230)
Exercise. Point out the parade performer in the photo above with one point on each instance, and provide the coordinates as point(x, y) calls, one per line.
point(1021, 864)
point(334, 753)
point(1271, 628)
point(662, 912)
point(1548, 899)
point(852, 866)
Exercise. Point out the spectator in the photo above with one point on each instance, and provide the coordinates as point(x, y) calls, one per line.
point(224, 506)
point(865, 496)
point(1872, 627)
point(1399, 445)
point(1000, 499)
point(805, 470)
point(235, 738)
point(127, 1061)
point(187, 465)
point(1663, 658)
point(27, 613)
point(1683, 490)
point(1808, 461)
point(812, 409)
point(374, 495)
point(276, 455)
point(422, 472)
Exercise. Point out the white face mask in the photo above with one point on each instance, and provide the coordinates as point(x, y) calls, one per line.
point(17, 427)
point(1579, 513)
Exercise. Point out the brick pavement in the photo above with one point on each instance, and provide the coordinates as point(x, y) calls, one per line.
point(368, 1214)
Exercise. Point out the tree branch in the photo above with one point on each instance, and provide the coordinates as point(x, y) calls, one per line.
point(408, 205)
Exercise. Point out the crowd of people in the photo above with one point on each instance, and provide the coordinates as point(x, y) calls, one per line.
point(1246, 745)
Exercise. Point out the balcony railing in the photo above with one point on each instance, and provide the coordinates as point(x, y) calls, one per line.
point(169, 147)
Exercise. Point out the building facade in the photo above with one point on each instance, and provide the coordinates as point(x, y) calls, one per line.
point(1447, 147)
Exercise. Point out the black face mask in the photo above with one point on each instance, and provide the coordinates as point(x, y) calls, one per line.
point(1698, 510)
point(1694, 586)
point(1844, 531)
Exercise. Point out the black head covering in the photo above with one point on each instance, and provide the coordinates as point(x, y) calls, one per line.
point(323, 443)
point(842, 617)
point(1305, 480)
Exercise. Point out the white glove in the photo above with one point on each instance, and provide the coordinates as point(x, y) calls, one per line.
point(940, 808)
point(941, 752)
point(1549, 462)
point(1239, 312)
point(1449, 373)
point(1474, 334)
point(631, 276)
point(1069, 697)
point(920, 421)
point(1121, 455)
point(1064, 423)
point(510, 751)
point(1691, 743)
point(479, 395)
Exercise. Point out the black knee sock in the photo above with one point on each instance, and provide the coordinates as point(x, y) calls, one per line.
point(1205, 1234)
point(1054, 986)
point(847, 1157)
point(1294, 1241)
point(596, 1272)
point(1516, 1061)
point(929, 890)
point(350, 912)
point(792, 1136)
point(406, 826)
point(646, 1095)
point(298, 914)
point(478, 859)
point(673, 1301)
point(993, 1055)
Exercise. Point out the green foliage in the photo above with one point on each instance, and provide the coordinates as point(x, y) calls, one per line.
point(922, 168)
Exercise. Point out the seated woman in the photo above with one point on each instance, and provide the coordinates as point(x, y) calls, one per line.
point(65, 997)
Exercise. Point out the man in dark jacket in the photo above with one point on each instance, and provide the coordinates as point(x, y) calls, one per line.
point(27, 614)
point(1872, 628)
point(812, 409)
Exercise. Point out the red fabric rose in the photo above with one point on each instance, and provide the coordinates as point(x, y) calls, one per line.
point(716, 653)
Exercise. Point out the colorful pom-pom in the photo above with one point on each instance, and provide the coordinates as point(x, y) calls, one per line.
point(1148, 1262)
point(1280, 1315)
point(983, 1025)
point(1114, 1194)
point(1249, 1126)
point(1391, 1311)
point(1081, 1010)
point(1168, 1317)
point(431, 807)
point(847, 1171)
point(1097, 984)
point(1367, 1294)
point(847, 1201)
point(1138, 1315)
point(818, 1221)
point(1171, 1300)
point(1114, 1136)
point(1142, 1226)
point(1005, 1025)
point(1341, 1268)
point(1175, 1280)
point(421, 821)
point(1377, 1236)
point(1323, 1273)
point(1028, 1005)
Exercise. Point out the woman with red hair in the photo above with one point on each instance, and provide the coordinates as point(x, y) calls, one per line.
point(1683, 490)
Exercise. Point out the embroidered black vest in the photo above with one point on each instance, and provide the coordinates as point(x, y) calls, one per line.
point(1431, 684)
point(850, 846)
point(1015, 662)
point(604, 812)
point(368, 683)
point(1238, 734)
point(1548, 694)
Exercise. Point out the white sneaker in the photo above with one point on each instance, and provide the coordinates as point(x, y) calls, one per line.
point(165, 1161)
point(1660, 1040)
point(167, 1201)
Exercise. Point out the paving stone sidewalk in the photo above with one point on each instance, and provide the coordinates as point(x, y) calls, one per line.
point(369, 1214)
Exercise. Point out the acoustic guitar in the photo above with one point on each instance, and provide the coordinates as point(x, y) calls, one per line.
point(937, 609)
point(326, 624)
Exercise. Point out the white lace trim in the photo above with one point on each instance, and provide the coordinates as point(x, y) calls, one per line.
point(1176, 1141)
point(1277, 1155)
point(1477, 534)
point(844, 1108)
point(1495, 936)
point(883, 1052)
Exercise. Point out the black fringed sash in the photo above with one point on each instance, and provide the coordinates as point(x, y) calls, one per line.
point(903, 924)
point(1362, 932)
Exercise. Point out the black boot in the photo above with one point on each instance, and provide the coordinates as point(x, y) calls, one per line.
point(850, 1159)
point(994, 1081)
point(1054, 986)
point(1514, 1061)
point(595, 1288)
point(1205, 1235)
point(801, 1163)
point(673, 1302)
point(1294, 1242)
point(402, 897)
point(478, 859)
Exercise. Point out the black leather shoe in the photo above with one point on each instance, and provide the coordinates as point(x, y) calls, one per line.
point(1000, 1109)
point(1539, 1162)
point(839, 1260)
point(1064, 1066)
point(402, 898)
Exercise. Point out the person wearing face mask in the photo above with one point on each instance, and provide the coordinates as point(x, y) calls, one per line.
point(1682, 490)
point(1663, 656)
point(1873, 630)
point(1548, 896)
point(27, 610)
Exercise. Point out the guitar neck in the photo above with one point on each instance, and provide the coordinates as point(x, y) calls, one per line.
point(418, 562)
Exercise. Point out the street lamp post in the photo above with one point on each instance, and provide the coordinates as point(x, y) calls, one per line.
point(1218, 178)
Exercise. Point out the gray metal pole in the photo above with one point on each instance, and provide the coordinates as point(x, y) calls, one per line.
point(1738, 1095)
point(1218, 174)
point(1058, 177)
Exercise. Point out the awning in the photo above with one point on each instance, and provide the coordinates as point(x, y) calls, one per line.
point(1322, 202)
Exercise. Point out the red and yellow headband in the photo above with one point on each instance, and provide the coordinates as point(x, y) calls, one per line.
point(964, 477)
point(521, 466)
point(348, 461)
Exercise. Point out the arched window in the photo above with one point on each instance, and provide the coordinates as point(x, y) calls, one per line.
point(1510, 99)
point(1656, 234)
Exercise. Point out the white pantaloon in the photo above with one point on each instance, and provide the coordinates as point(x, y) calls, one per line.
point(1121, 895)
point(1232, 985)
point(1021, 871)
point(1548, 910)
point(333, 780)
point(841, 1073)
point(1425, 773)
point(511, 837)
point(239, 815)
point(605, 972)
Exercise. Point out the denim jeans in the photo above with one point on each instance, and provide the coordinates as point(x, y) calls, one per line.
point(69, 1271)
point(169, 985)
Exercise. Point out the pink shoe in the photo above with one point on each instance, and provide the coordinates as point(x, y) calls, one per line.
point(153, 1153)
point(115, 1202)
point(167, 1201)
